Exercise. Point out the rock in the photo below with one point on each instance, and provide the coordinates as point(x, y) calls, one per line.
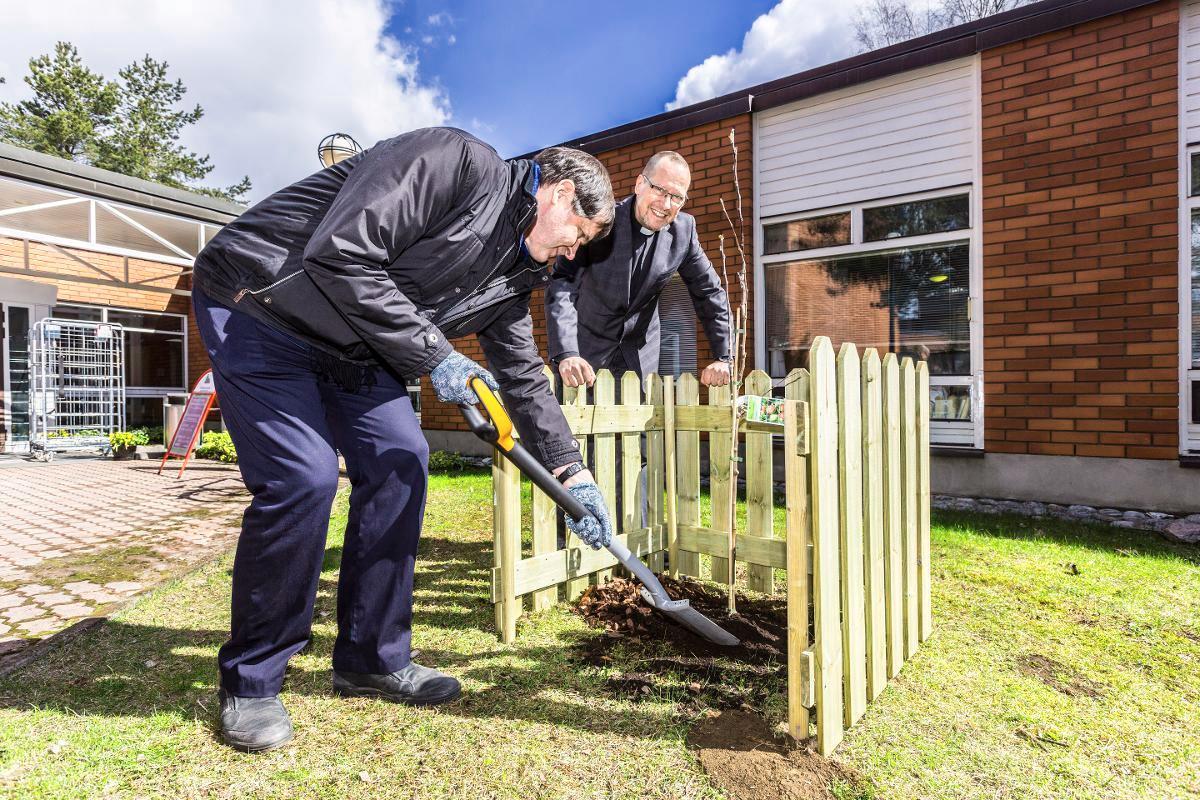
point(1134, 515)
point(1192, 518)
point(1111, 512)
point(1035, 508)
point(1081, 511)
point(1183, 531)
point(1123, 523)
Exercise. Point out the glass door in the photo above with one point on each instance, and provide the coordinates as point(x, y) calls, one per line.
point(15, 418)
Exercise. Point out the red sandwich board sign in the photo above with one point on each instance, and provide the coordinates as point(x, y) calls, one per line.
point(199, 403)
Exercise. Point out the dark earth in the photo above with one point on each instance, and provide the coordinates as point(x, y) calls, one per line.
point(725, 687)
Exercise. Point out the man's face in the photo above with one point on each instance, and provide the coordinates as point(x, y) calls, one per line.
point(559, 231)
point(657, 201)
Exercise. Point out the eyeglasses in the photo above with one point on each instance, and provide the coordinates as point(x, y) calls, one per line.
point(661, 193)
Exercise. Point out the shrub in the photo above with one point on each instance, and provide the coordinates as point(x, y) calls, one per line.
point(444, 461)
point(120, 440)
point(217, 445)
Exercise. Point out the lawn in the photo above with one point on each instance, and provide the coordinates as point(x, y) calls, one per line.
point(1064, 663)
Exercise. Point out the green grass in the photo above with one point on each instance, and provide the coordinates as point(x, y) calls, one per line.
point(1037, 683)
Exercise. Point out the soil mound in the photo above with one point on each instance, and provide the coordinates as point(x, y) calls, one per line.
point(743, 759)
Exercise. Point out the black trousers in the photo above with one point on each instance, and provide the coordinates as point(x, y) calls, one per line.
point(288, 423)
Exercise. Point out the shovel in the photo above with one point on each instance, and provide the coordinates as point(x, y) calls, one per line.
point(497, 429)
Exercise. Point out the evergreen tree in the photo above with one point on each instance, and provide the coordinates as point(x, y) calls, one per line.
point(70, 110)
point(131, 126)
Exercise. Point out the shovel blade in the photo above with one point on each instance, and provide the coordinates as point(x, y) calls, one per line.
point(682, 613)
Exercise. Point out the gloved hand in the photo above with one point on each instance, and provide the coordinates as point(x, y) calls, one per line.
point(450, 379)
point(597, 529)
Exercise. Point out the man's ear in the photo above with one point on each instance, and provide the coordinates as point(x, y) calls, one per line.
point(565, 189)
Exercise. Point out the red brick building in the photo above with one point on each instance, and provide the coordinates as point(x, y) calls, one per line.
point(1005, 199)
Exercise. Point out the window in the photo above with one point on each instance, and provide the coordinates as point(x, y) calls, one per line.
point(155, 356)
point(1189, 322)
point(677, 330)
point(901, 283)
point(807, 234)
point(917, 218)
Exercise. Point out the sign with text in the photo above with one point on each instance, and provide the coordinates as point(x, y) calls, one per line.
point(191, 423)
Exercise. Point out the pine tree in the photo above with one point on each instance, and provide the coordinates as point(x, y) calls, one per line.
point(131, 126)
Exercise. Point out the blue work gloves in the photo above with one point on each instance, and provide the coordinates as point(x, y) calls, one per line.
point(450, 379)
point(597, 529)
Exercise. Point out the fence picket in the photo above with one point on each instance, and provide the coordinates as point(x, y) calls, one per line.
point(760, 487)
point(923, 555)
point(545, 531)
point(874, 556)
point(631, 461)
point(506, 529)
point(687, 456)
point(605, 454)
point(908, 452)
point(796, 531)
point(823, 468)
point(854, 640)
point(720, 488)
point(656, 467)
point(576, 396)
point(893, 515)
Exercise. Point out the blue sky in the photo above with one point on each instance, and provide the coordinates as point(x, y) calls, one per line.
point(526, 75)
point(275, 76)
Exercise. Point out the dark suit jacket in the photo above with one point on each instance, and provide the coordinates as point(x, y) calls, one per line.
point(594, 311)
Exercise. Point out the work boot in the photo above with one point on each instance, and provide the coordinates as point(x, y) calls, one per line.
point(413, 685)
point(254, 724)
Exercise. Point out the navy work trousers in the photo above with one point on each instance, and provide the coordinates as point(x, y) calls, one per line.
point(287, 424)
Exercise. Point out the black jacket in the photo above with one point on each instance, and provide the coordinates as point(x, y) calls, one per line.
point(595, 307)
point(382, 257)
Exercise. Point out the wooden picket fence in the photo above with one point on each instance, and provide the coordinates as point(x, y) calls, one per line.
point(855, 544)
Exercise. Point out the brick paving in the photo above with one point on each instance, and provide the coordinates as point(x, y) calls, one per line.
point(62, 524)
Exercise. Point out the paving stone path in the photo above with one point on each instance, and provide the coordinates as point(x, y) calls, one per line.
point(78, 538)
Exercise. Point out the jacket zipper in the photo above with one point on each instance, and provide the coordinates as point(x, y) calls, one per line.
point(245, 291)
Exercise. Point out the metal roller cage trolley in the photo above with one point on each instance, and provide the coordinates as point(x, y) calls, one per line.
point(77, 385)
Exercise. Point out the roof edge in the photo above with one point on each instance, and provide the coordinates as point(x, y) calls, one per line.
point(62, 173)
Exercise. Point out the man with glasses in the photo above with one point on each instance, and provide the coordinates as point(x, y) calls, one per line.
point(602, 305)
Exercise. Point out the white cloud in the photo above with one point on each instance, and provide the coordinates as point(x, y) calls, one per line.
point(273, 77)
point(793, 36)
point(451, 39)
point(426, 40)
point(481, 127)
point(441, 18)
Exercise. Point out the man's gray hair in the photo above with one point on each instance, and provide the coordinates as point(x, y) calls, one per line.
point(593, 189)
point(661, 156)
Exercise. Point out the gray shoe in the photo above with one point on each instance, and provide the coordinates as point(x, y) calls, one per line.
point(414, 685)
point(254, 724)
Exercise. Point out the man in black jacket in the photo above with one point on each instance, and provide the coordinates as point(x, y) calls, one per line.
point(602, 305)
point(315, 307)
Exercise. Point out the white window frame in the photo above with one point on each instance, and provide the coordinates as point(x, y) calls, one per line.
point(146, 391)
point(942, 432)
point(1189, 432)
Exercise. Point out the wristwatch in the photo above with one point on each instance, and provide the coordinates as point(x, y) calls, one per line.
point(573, 469)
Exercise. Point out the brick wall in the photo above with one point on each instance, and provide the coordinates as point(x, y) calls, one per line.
point(708, 153)
point(1080, 264)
